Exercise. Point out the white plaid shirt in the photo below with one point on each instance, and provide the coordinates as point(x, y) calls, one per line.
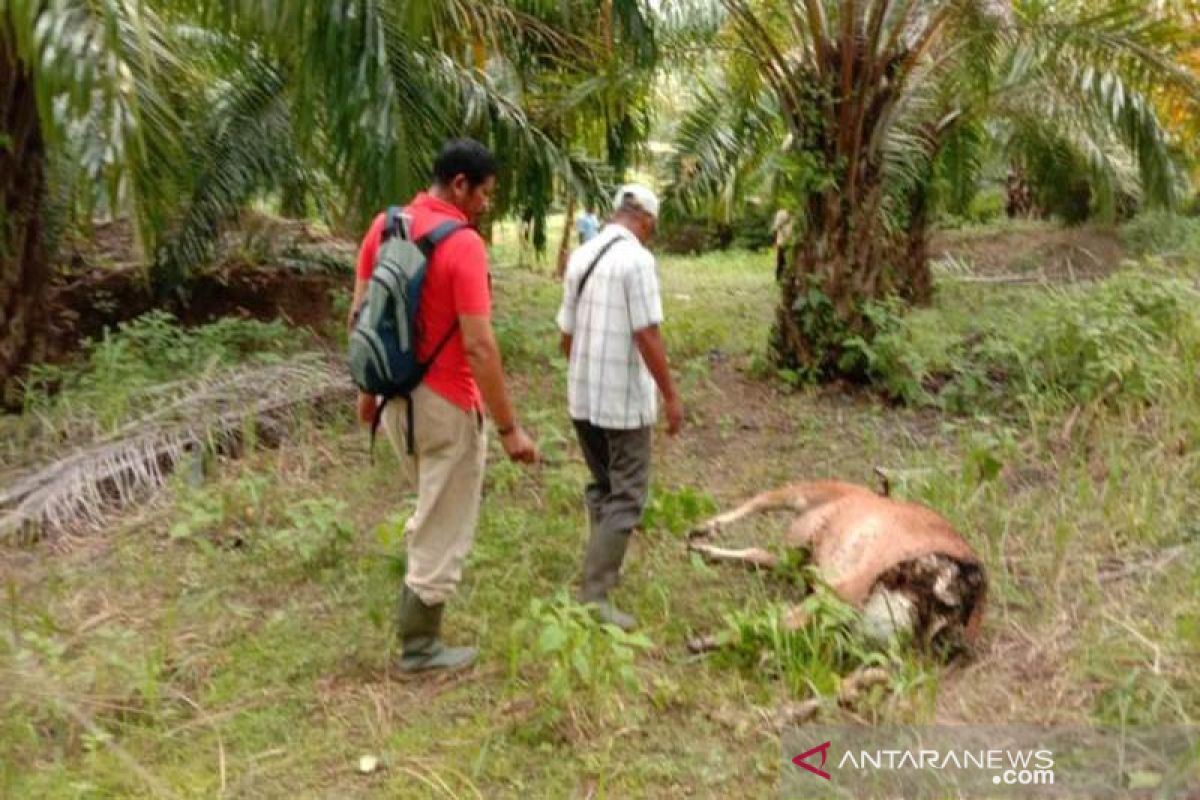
point(608, 383)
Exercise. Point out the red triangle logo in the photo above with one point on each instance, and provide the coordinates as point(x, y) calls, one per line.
point(802, 760)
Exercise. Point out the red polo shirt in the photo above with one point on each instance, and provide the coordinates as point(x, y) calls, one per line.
point(456, 283)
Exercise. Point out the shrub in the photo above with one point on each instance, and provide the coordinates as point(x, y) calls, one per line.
point(574, 656)
point(1163, 233)
point(676, 511)
point(149, 350)
point(1119, 339)
point(311, 534)
point(810, 659)
point(1123, 340)
point(693, 236)
point(316, 535)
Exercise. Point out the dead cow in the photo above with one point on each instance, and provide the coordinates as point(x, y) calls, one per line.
point(902, 563)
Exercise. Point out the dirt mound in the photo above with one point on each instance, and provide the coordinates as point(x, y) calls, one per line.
point(83, 306)
point(1034, 251)
point(269, 269)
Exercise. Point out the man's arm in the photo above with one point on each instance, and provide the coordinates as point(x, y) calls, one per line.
point(566, 317)
point(483, 356)
point(650, 344)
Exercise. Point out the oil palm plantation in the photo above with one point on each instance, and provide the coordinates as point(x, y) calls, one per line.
point(178, 114)
point(848, 112)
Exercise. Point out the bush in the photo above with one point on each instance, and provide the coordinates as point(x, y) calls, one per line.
point(752, 230)
point(688, 234)
point(316, 536)
point(987, 206)
point(575, 657)
point(1123, 340)
point(1164, 234)
point(1118, 340)
point(146, 351)
point(692, 236)
point(843, 342)
point(677, 511)
point(810, 659)
point(311, 534)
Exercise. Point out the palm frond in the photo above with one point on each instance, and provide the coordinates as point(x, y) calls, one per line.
point(246, 145)
point(84, 487)
point(109, 64)
point(724, 144)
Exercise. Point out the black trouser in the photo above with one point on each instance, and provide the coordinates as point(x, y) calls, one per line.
point(619, 461)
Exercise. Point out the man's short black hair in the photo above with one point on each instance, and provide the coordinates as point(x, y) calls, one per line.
point(464, 157)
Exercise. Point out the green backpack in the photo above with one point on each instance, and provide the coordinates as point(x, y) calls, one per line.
point(382, 353)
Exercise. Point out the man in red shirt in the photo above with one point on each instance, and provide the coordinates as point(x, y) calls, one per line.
point(449, 445)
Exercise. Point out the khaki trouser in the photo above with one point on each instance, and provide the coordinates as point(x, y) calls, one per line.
point(447, 471)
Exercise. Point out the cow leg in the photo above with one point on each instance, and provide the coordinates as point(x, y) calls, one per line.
point(784, 499)
point(753, 557)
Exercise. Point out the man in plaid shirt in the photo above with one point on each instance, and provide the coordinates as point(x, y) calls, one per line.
point(609, 319)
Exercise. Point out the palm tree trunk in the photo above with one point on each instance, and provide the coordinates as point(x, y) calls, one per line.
point(843, 259)
point(564, 245)
point(24, 261)
point(293, 200)
point(1019, 194)
point(916, 278)
point(846, 258)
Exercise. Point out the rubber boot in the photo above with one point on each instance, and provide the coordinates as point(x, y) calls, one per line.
point(420, 628)
point(601, 570)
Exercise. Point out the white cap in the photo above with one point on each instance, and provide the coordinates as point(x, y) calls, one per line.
point(645, 199)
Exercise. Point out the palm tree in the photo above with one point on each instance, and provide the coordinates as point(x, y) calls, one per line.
point(877, 98)
point(72, 68)
point(180, 113)
point(346, 101)
point(24, 271)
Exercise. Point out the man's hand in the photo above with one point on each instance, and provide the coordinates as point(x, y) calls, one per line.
point(366, 408)
point(519, 447)
point(654, 353)
point(674, 415)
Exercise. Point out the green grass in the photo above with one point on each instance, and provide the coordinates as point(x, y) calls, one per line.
point(234, 640)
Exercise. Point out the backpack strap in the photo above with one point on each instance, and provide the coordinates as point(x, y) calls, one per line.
point(592, 267)
point(428, 243)
point(439, 234)
point(394, 226)
point(375, 420)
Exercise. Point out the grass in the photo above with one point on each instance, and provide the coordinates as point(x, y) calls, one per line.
point(234, 639)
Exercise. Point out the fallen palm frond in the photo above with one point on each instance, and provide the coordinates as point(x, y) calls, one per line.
point(215, 413)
